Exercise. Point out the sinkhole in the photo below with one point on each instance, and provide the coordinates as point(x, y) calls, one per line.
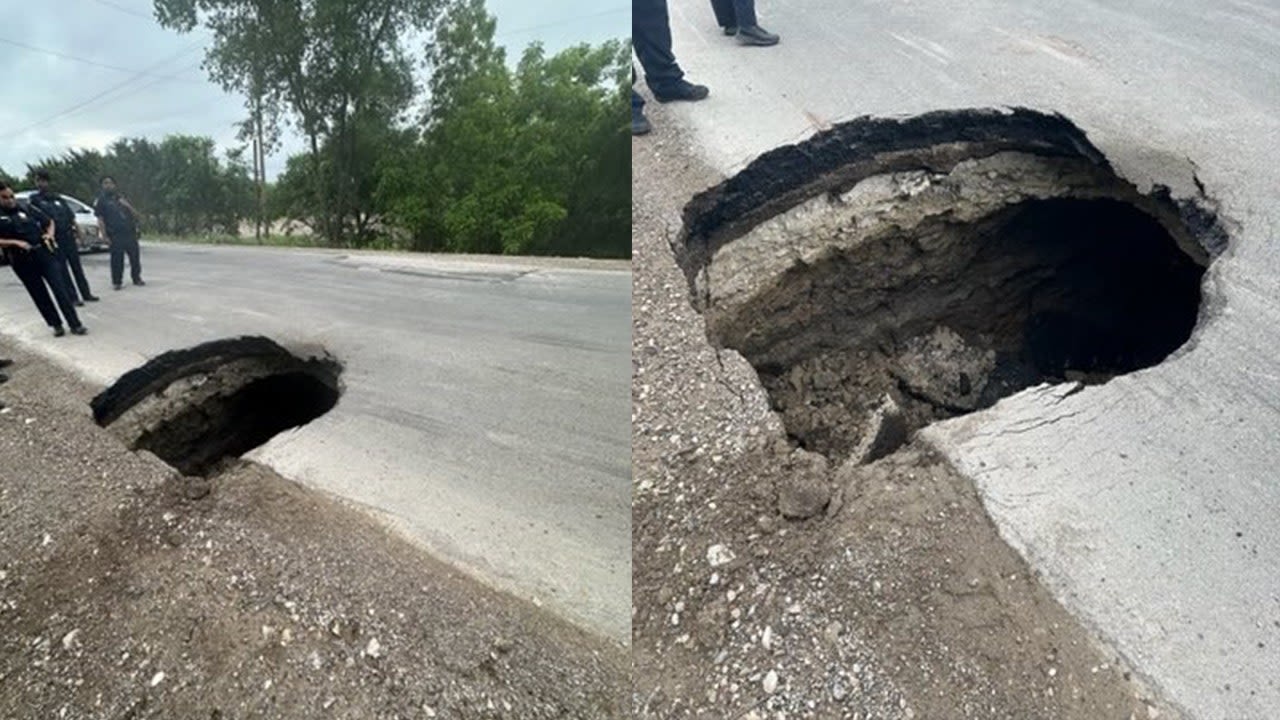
point(893, 272)
point(197, 407)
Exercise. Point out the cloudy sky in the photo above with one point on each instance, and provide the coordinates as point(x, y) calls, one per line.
point(83, 77)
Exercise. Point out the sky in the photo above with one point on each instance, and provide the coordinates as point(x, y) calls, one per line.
point(83, 73)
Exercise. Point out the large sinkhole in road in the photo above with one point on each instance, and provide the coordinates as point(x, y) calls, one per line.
point(889, 273)
point(194, 408)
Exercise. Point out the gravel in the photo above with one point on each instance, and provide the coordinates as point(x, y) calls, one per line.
point(129, 591)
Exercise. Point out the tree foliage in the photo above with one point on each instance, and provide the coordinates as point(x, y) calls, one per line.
point(338, 67)
point(179, 184)
point(491, 156)
point(530, 160)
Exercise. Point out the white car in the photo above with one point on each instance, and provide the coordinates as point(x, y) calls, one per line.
point(90, 238)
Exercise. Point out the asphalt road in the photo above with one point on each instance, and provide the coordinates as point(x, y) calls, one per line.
point(485, 412)
point(1151, 505)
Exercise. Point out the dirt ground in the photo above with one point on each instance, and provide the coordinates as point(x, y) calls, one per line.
point(895, 598)
point(127, 591)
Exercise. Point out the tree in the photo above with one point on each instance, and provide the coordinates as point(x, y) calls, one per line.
point(338, 66)
point(178, 184)
point(535, 160)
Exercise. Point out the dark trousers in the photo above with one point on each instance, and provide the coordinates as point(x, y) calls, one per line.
point(122, 243)
point(38, 268)
point(71, 268)
point(651, 34)
point(734, 13)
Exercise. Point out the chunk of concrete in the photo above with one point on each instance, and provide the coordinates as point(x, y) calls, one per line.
point(886, 431)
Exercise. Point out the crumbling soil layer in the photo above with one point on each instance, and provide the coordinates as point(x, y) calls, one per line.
point(773, 581)
point(934, 265)
point(130, 591)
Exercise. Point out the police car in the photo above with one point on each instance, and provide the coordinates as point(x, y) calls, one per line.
point(90, 239)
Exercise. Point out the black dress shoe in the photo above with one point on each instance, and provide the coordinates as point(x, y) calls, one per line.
point(5, 362)
point(117, 287)
point(79, 330)
point(91, 298)
point(79, 303)
point(680, 90)
point(639, 123)
point(3, 378)
point(731, 30)
point(138, 283)
point(59, 331)
point(756, 35)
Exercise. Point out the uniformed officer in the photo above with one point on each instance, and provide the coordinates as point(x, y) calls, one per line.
point(119, 221)
point(26, 235)
point(64, 218)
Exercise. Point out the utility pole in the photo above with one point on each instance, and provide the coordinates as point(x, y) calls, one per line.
point(259, 171)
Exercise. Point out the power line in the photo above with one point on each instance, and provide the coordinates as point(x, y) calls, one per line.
point(87, 61)
point(123, 9)
point(108, 91)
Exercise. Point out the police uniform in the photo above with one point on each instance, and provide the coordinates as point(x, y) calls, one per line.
point(64, 218)
point(122, 231)
point(651, 36)
point(38, 266)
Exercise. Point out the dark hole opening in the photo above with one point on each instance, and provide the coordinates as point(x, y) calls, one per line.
point(1045, 290)
point(1110, 290)
point(198, 438)
point(199, 407)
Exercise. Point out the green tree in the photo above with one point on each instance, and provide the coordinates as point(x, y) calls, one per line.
point(338, 66)
point(535, 160)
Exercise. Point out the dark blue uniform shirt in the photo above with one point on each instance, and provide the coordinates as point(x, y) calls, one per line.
point(119, 221)
point(54, 206)
point(22, 223)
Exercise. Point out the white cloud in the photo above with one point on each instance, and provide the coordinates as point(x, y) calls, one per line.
point(88, 139)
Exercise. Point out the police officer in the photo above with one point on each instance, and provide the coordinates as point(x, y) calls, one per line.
point(119, 221)
point(64, 218)
point(26, 235)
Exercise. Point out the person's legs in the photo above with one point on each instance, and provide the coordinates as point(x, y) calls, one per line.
point(725, 15)
point(135, 261)
point(60, 264)
point(117, 262)
point(28, 271)
point(651, 34)
point(49, 270)
point(745, 12)
point(71, 255)
point(749, 30)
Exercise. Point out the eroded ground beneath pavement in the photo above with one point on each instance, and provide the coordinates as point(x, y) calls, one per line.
point(773, 581)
